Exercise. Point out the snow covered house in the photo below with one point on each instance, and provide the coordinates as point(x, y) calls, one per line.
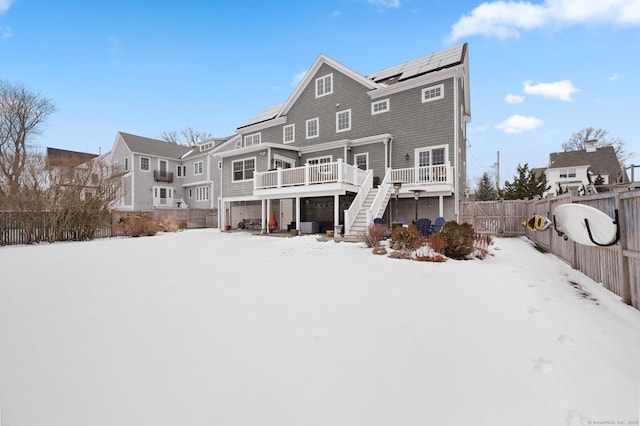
point(578, 170)
point(159, 174)
point(344, 144)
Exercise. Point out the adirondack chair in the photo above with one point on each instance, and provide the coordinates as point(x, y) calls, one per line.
point(437, 225)
point(423, 225)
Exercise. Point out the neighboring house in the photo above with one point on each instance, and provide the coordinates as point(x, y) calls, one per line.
point(69, 168)
point(580, 170)
point(333, 151)
point(159, 174)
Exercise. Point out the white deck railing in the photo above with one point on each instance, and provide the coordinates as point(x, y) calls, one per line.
point(335, 172)
point(441, 173)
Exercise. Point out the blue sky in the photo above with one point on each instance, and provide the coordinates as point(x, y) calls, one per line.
point(540, 70)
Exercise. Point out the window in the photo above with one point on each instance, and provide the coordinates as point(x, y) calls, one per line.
point(431, 163)
point(312, 128)
point(432, 93)
point(197, 168)
point(181, 171)
point(251, 140)
point(190, 192)
point(289, 133)
point(243, 169)
point(206, 146)
point(361, 161)
point(202, 193)
point(343, 120)
point(567, 173)
point(320, 160)
point(283, 163)
point(324, 85)
point(144, 163)
point(380, 106)
point(126, 164)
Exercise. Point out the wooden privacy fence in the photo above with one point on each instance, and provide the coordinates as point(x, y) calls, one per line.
point(29, 228)
point(617, 267)
point(186, 218)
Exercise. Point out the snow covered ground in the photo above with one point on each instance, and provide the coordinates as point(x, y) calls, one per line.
point(210, 328)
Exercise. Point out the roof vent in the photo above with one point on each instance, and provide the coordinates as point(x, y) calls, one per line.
point(590, 146)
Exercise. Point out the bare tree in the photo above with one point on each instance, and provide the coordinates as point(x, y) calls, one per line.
point(22, 114)
point(577, 140)
point(189, 137)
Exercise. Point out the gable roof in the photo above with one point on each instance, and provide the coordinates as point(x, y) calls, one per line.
point(155, 147)
point(602, 161)
point(434, 62)
point(427, 64)
point(61, 157)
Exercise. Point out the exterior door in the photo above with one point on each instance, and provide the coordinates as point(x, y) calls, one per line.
point(286, 212)
point(162, 196)
point(427, 162)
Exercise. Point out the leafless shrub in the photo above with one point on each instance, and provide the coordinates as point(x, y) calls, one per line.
point(169, 224)
point(380, 250)
point(481, 244)
point(140, 224)
point(375, 233)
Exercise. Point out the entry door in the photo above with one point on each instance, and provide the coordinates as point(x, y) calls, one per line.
point(286, 212)
point(162, 196)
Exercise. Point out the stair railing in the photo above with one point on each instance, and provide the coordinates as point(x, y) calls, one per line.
point(379, 202)
point(351, 213)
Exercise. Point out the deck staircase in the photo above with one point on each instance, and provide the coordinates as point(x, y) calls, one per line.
point(360, 224)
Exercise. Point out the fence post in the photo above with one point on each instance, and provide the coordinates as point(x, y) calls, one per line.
point(623, 262)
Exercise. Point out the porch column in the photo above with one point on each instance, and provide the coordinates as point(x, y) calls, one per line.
point(336, 210)
point(441, 206)
point(264, 214)
point(298, 214)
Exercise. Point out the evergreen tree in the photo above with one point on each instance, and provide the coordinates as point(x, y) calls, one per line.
point(486, 189)
point(525, 186)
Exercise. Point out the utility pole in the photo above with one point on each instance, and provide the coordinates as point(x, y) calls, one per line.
point(497, 166)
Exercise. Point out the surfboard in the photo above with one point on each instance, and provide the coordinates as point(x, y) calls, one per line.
point(585, 225)
point(537, 223)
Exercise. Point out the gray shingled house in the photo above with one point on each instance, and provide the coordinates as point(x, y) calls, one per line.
point(577, 170)
point(344, 145)
point(158, 174)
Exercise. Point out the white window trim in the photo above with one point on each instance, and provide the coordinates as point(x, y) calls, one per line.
point(243, 169)
point(317, 120)
point(126, 164)
point(284, 159)
point(202, 193)
point(323, 79)
point(355, 158)
point(293, 132)
point(148, 163)
point(156, 196)
point(319, 160)
point(181, 171)
point(431, 148)
point(385, 101)
point(338, 120)
point(251, 138)
point(430, 88)
point(198, 170)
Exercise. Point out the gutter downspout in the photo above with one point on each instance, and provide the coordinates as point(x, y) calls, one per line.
point(456, 155)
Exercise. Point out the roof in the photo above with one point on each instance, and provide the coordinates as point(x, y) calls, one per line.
point(155, 147)
point(602, 161)
point(61, 157)
point(427, 64)
point(437, 61)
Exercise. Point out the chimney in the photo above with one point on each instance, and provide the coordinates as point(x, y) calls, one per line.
point(590, 145)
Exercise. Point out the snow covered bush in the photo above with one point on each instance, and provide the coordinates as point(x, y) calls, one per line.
point(407, 238)
point(458, 238)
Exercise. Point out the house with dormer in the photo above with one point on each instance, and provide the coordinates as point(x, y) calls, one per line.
point(346, 148)
point(583, 170)
point(158, 174)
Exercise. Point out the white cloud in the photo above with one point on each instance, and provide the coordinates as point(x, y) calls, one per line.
point(5, 5)
point(507, 19)
point(387, 4)
point(514, 99)
point(5, 33)
point(518, 124)
point(298, 78)
point(615, 76)
point(479, 129)
point(558, 90)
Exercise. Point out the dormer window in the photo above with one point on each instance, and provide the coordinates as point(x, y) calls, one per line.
point(324, 85)
point(206, 146)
